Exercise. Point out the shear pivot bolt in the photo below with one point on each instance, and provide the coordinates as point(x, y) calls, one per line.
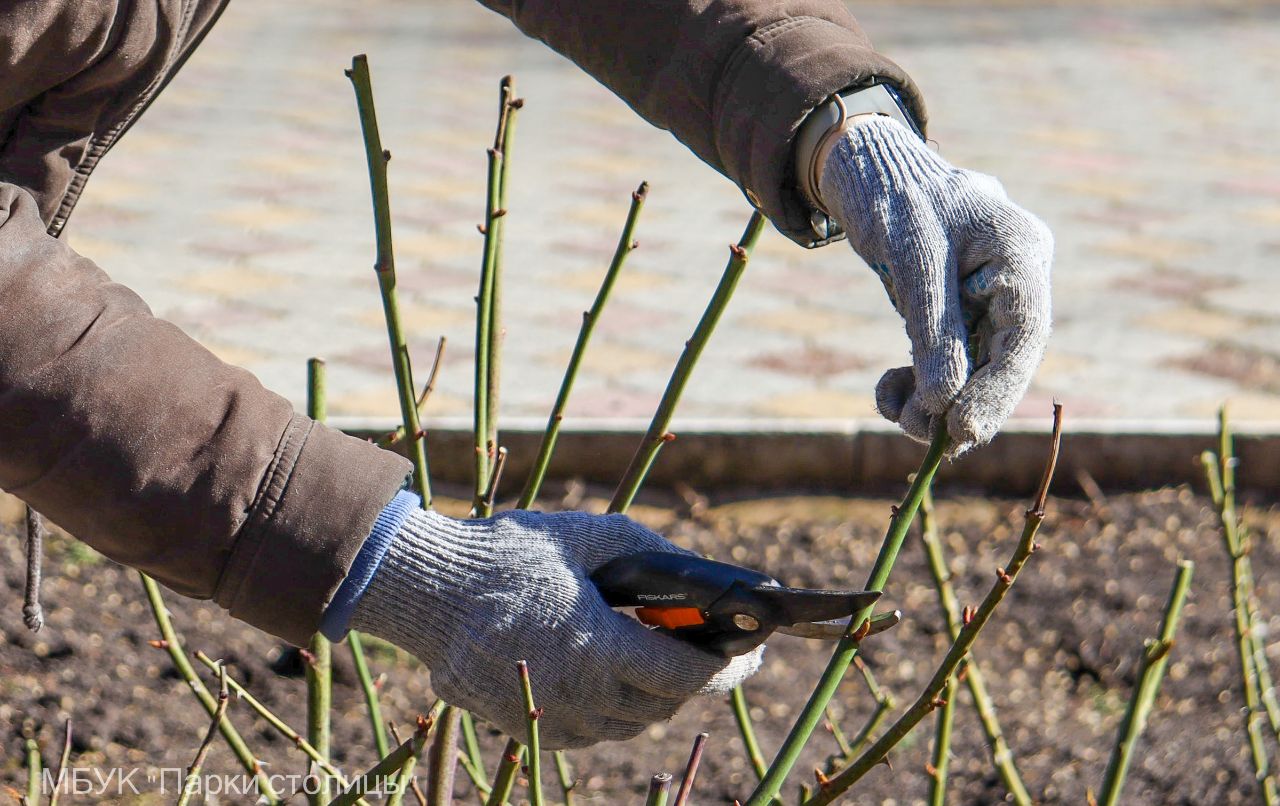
point(745, 622)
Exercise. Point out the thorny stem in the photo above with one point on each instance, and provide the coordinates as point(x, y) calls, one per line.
point(534, 757)
point(1001, 754)
point(659, 788)
point(413, 782)
point(390, 765)
point(370, 690)
point(192, 782)
point(421, 403)
point(742, 715)
point(1220, 471)
point(488, 312)
point(942, 745)
point(319, 658)
point(508, 106)
point(565, 774)
point(658, 434)
point(442, 761)
point(173, 645)
point(505, 778)
point(1155, 657)
point(274, 721)
point(62, 765)
point(385, 269)
point(691, 770)
point(34, 772)
point(626, 244)
point(471, 754)
point(32, 612)
point(928, 699)
point(847, 648)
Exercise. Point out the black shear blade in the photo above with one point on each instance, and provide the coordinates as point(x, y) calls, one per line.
point(799, 605)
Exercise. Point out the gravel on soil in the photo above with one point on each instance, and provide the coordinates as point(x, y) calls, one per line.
point(1060, 655)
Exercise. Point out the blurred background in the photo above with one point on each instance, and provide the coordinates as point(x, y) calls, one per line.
point(1144, 133)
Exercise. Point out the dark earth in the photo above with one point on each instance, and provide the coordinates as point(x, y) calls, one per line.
point(1060, 655)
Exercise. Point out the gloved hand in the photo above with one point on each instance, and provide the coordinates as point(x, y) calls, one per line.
point(956, 256)
point(471, 598)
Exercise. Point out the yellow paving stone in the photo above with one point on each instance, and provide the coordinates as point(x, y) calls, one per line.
point(1065, 136)
point(1057, 363)
point(802, 322)
point(1244, 406)
point(819, 403)
point(1188, 320)
point(589, 280)
point(236, 282)
point(96, 249)
point(596, 164)
point(233, 354)
point(384, 401)
point(118, 189)
point(1152, 249)
point(1269, 214)
point(278, 164)
point(438, 246)
point(606, 358)
point(1107, 188)
point(418, 317)
point(262, 215)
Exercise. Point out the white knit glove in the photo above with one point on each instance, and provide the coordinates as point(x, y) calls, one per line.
point(956, 255)
point(470, 598)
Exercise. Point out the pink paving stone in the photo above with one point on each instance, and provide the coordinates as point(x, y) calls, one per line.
point(810, 362)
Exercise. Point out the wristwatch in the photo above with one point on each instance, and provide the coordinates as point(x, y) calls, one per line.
point(827, 122)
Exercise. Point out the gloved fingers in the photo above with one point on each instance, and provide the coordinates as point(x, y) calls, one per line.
point(590, 541)
point(1011, 289)
point(926, 287)
point(897, 401)
point(668, 667)
point(735, 674)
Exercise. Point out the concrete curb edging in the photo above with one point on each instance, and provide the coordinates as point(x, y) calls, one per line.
point(843, 454)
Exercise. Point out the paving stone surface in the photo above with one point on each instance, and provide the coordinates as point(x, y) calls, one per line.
point(1146, 136)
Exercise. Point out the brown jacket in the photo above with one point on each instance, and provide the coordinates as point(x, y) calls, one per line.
point(143, 444)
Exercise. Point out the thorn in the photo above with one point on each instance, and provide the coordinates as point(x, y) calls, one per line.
point(159, 643)
point(1035, 547)
point(511, 758)
point(668, 437)
point(516, 103)
point(820, 777)
point(536, 714)
point(937, 702)
point(885, 761)
point(499, 213)
point(930, 770)
point(738, 251)
point(481, 229)
point(635, 244)
point(423, 722)
point(308, 656)
point(493, 152)
point(559, 416)
point(863, 630)
point(893, 510)
point(586, 316)
point(1004, 577)
point(386, 155)
point(422, 432)
point(968, 614)
point(347, 73)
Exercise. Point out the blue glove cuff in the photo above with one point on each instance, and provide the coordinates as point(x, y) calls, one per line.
point(333, 625)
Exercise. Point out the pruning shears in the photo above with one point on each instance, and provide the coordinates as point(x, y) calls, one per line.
point(727, 609)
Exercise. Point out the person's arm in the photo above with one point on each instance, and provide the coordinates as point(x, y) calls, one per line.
point(145, 445)
point(731, 79)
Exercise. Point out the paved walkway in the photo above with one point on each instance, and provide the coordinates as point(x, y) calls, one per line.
point(1146, 137)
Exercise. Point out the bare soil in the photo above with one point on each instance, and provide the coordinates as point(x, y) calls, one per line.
point(1060, 656)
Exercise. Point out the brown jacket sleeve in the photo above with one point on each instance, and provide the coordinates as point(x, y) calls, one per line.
point(149, 448)
point(732, 79)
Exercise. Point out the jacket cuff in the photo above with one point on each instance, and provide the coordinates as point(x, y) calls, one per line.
point(338, 615)
point(317, 503)
point(798, 63)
